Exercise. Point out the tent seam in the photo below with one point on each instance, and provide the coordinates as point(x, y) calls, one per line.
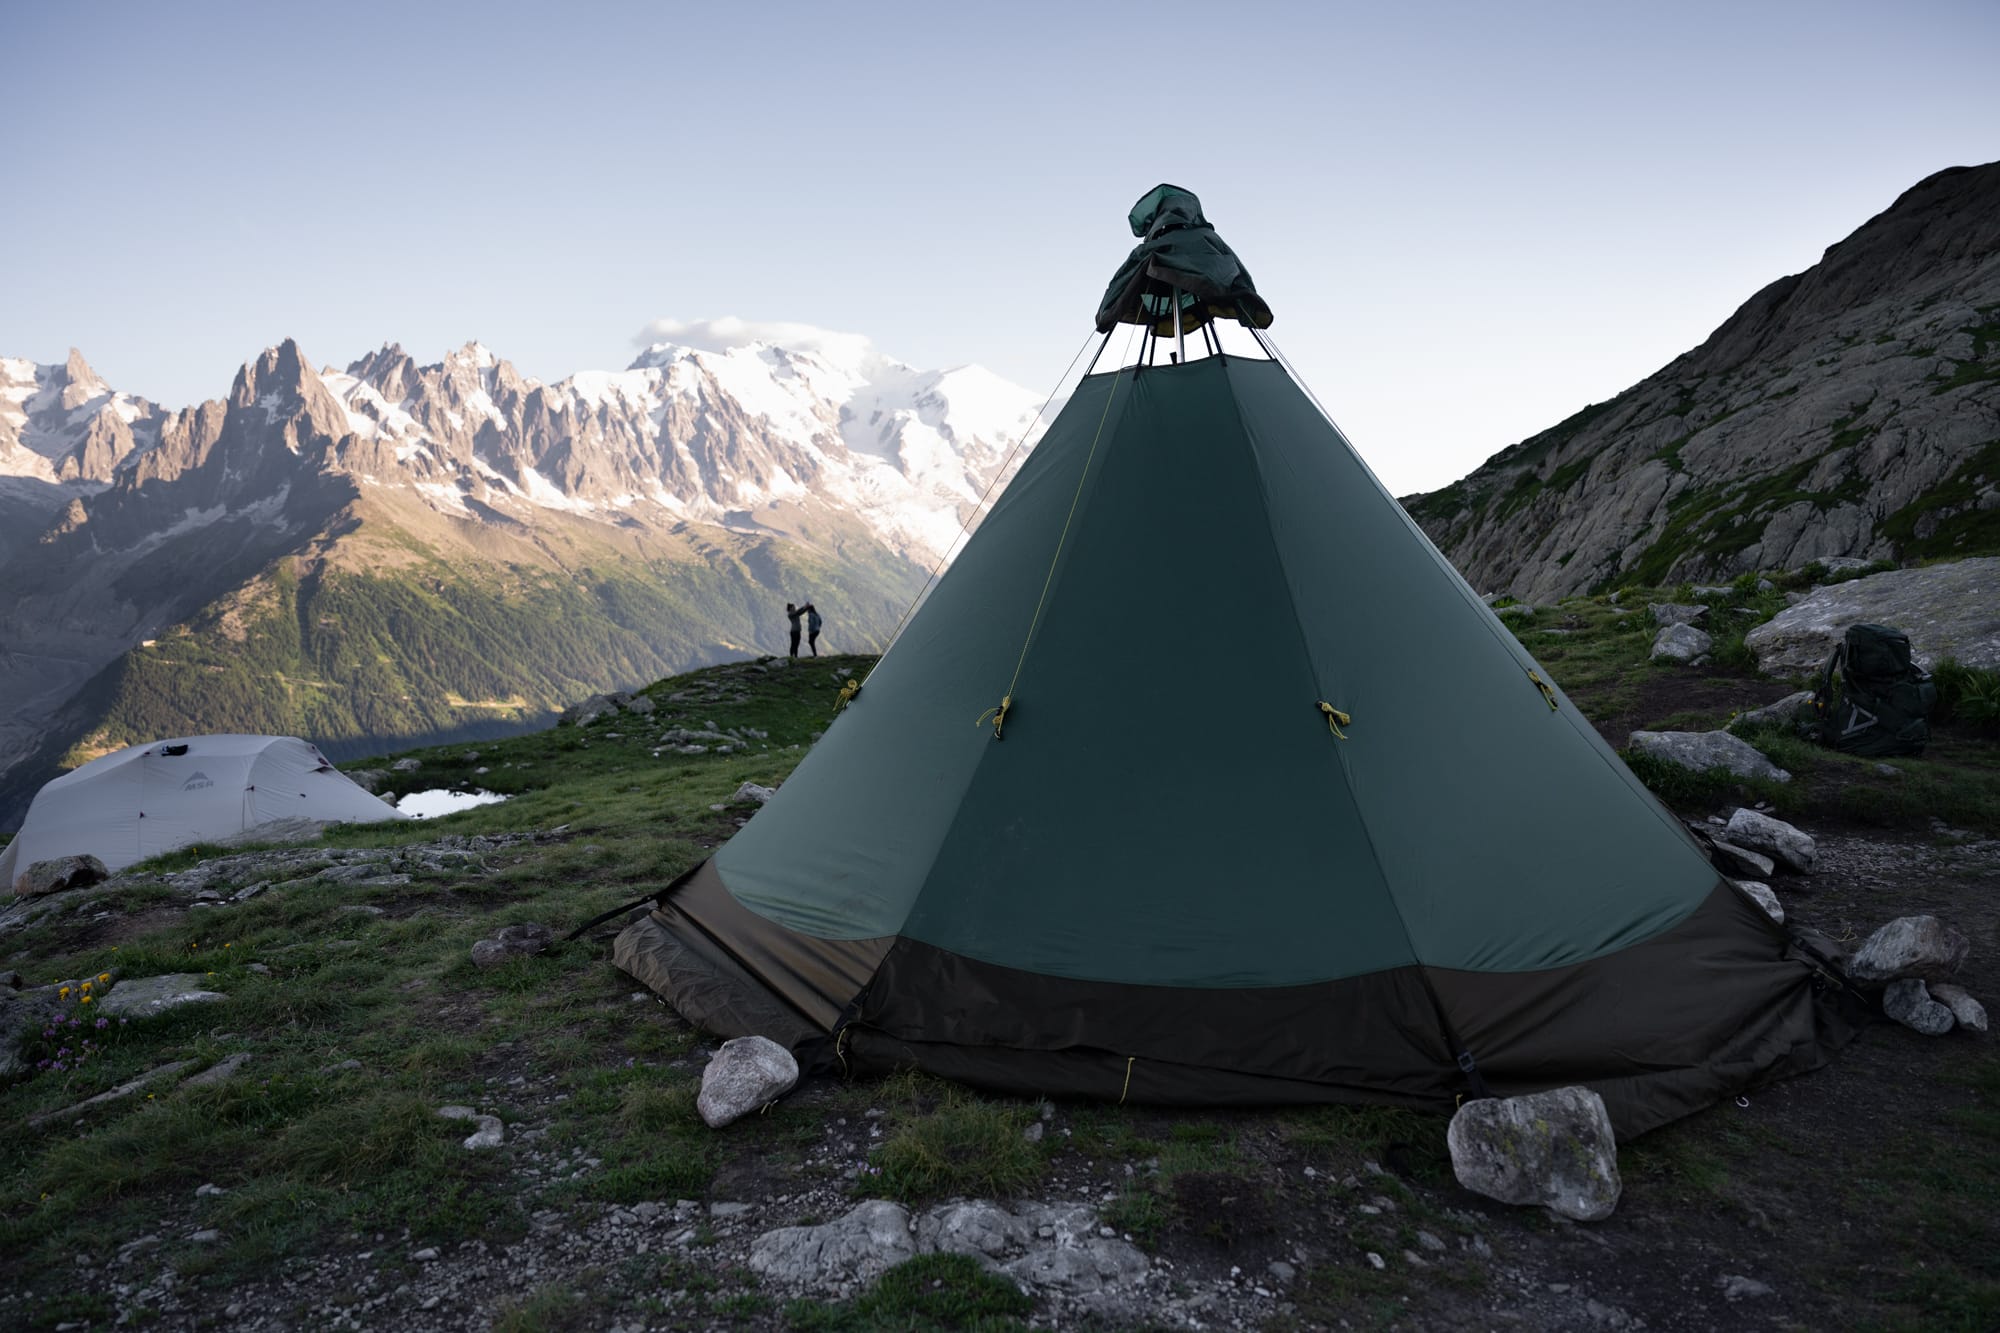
point(1312, 665)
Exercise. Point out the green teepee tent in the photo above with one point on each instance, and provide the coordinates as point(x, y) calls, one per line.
point(1201, 778)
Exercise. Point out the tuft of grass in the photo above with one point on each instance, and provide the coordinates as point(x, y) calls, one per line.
point(965, 1146)
point(931, 1291)
point(1969, 696)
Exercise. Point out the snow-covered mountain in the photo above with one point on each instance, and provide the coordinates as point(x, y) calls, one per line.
point(63, 423)
point(707, 483)
point(697, 434)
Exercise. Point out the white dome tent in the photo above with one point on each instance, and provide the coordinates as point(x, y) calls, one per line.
point(148, 799)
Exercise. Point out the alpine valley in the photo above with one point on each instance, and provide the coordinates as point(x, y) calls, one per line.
point(394, 554)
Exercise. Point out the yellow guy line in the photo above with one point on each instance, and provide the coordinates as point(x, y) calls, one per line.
point(999, 713)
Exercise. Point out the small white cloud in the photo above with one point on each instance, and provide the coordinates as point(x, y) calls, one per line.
point(719, 335)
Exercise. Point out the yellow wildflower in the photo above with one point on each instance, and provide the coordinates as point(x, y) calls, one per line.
point(63, 994)
point(104, 976)
point(85, 1000)
point(86, 988)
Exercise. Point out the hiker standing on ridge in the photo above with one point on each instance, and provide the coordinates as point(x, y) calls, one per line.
point(792, 613)
point(813, 622)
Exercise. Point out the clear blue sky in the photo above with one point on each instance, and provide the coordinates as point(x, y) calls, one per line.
point(1470, 219)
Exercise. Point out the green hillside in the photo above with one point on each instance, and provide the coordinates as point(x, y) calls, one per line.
point(386, 640)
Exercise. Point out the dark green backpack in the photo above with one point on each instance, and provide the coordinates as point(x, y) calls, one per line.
point(1885, 701)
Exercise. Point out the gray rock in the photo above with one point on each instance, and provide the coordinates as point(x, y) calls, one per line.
point(1518, 611)
point(750, 791)
point(144, 997)
point(593, 708)
point(1676, 613)
point(23, 1015)
point(1776, 839)
point(857, 1247)
point(1552, 1148)
point(745, 1074)
point(369, 780)
point(490, 1134)
point(1736, 1287)
point(1909, 946)
point(1763, 897)
point(1970, 1013)
point(518, 941)
point(1703, 750)
point(642, 705)
point(219, 1072)
point(1281, 1271)
point(1909, 1003)
point(1681, 643)
point(1784, 713)
point(407, 765)
point(1741, 860)
point(977, 1227)
point(1947, 610)
point(59, 873)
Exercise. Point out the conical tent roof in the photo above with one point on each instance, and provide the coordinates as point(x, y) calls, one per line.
point(1276, 810)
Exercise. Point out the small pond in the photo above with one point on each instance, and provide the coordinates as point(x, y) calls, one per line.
point(442, 801)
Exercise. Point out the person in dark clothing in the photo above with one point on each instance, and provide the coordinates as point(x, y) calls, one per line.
point(793, 614)
point(813, 622)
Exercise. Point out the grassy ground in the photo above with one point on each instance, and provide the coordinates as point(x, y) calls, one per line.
point(1867, 1193)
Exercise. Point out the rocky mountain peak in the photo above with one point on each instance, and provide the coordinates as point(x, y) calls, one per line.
point(80, 383)
point(1849, 410)
point(1914, 251)
point(279, 370)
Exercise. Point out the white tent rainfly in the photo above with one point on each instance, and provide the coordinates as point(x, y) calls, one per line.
point(148, 799)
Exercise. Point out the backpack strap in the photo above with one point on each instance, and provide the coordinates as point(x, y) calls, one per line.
point(1822, 699)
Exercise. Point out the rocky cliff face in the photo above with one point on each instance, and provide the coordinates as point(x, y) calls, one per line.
point(1850, 410)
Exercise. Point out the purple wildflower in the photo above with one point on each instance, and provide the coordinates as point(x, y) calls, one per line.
point(103, 1023)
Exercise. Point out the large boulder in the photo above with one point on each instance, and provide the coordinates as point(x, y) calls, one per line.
point(1551, 1148)
point(1909, 946)
point(1703, 750)
point(1947, 610)
point(59, 873)
point(147, 996)
point(1786, 845)
point(745, 1074)
point(1681, 643)
point(1760, 893)
point(1909, 1003)
point(855, 1248)
point(1970, 1013)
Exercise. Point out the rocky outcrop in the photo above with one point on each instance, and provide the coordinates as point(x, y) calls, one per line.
point(1703, 750)
point(1851, 410)
point(1949, 611)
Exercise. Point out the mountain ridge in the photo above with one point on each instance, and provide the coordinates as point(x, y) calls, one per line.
point(1852, 409)
point(656, 515)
